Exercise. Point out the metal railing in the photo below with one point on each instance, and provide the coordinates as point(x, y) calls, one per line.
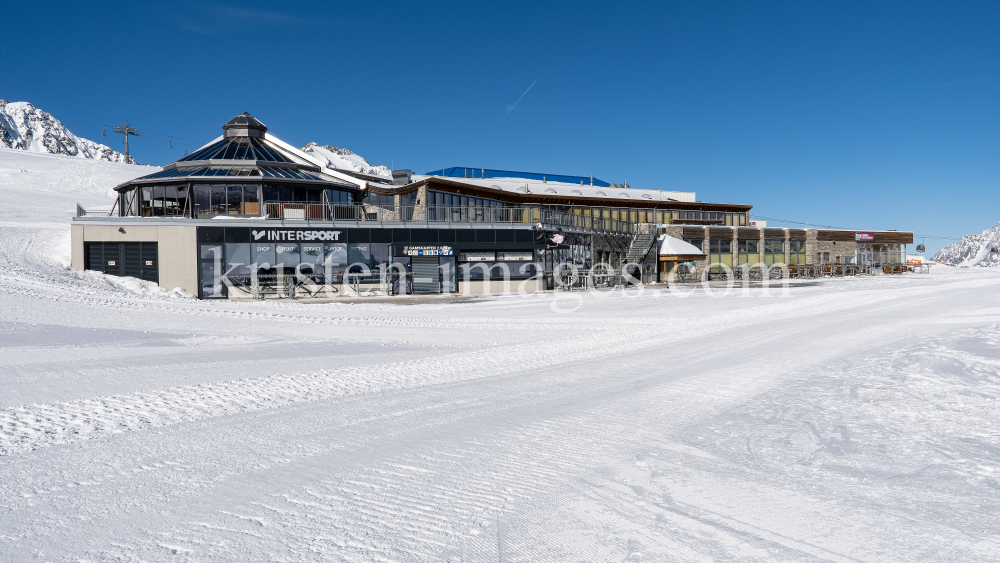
point(290, 285)
point(424, 214)
point(437, 215)
point(81, 212)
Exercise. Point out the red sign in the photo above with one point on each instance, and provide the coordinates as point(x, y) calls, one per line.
point(864, 237)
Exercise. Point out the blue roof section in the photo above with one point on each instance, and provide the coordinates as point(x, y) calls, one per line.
point(483, 173)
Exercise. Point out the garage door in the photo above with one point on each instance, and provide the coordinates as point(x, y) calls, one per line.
point(424, 270)
point(135, 259)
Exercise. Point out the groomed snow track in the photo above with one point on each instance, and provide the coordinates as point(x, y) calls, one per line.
point(848, 420)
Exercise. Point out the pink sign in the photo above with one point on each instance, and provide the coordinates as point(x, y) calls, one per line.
point(864, 237)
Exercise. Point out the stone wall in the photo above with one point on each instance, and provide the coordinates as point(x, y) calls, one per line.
point(838, 251)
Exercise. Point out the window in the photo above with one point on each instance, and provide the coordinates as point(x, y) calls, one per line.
point(380, 200)
point(717, 245)
point(774, 252)
point(720, 252)
point(749, 251)
point(696, 242)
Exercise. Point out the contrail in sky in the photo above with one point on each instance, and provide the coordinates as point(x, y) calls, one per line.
point(510, 110)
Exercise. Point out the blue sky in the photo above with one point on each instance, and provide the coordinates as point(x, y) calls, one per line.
point(845, 114)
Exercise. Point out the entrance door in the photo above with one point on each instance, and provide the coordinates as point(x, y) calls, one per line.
point(426, 278)
point(865, 257)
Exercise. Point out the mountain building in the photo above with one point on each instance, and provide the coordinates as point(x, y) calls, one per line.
point(248, 215)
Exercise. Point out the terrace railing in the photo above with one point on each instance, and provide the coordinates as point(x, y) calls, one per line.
point(527, 215)
point(429, 215)
point(81, 212)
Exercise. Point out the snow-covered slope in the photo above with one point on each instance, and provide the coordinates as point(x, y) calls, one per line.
point(25, 127)
point(343, 159)
point(136, 424)
point(38, 196)
point(973, 250)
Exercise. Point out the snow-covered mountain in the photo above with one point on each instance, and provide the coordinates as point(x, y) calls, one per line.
point(343, 159)
point(25, 127)
point(973, 250)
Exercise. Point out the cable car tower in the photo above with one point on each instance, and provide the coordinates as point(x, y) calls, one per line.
point(127, 130)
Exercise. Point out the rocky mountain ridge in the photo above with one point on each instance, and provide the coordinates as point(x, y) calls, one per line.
point(25, 127)
point(344, 159)
point(973, 250)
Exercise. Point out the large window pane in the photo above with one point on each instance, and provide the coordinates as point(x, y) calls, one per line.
point(250, 204)
point(380, 254)
point(336, 257)
point(262, 253)
point(358, 254)
point(211, 284)
point(312, 254)
point(235, 198)
point(202, 200)
point(287, 254)
point(219, 199)
point(238, 259)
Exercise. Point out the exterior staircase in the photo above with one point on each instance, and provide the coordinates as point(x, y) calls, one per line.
point(642, 242)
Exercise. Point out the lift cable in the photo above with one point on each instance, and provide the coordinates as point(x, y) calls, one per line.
point(145, 133)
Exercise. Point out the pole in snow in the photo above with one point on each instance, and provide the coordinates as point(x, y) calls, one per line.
point(127, 130)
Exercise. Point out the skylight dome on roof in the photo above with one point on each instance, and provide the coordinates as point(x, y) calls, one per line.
point(244, 125)
point(238, 148)
point(599, 192)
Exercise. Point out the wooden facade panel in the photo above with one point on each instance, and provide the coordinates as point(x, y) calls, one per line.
point(774, 234)
point(748, 234)
point(692, 232)
point(796, 234)
point(881, 237)
point(720, 233)
point(894, 238)
point(827, 235)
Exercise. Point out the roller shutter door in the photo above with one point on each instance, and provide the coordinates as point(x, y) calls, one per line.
point(425, 274)
point(135, 259)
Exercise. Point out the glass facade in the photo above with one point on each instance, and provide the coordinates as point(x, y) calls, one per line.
point(461, 208)
point(796, 252)
point(709, 217)
point(380, 200)
point(720, 251)
point(156, 201)
point(749, 252)
point(209, 200)
point(879, 254)
point(774, 252)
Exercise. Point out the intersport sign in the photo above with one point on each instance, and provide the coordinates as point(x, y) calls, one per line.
point(294, 235)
